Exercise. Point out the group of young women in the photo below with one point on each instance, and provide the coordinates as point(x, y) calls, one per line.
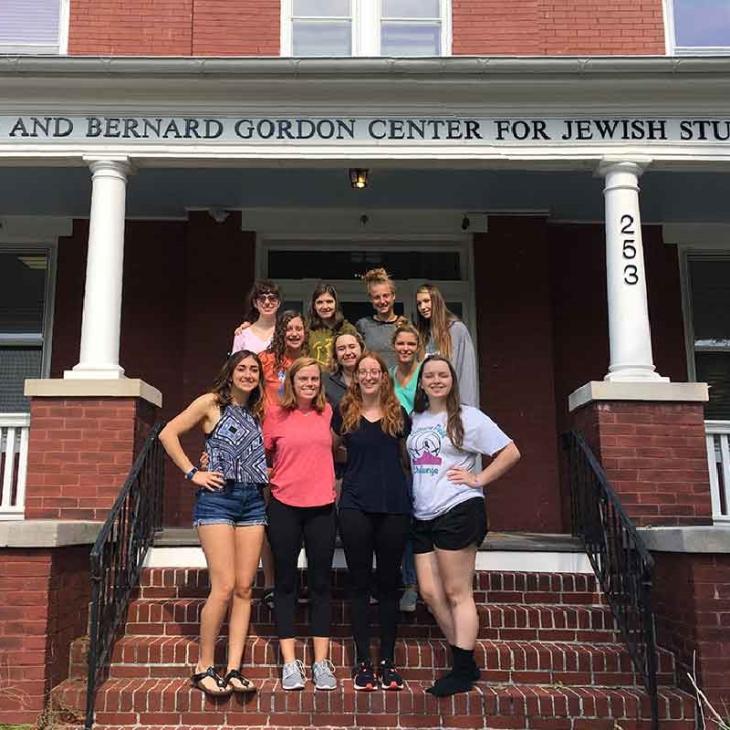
point(314, 425)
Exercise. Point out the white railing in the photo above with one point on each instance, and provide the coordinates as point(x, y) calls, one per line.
point(13, 464)
point(718, 458)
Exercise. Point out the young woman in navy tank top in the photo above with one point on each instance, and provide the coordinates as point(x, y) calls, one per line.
point(229, 512)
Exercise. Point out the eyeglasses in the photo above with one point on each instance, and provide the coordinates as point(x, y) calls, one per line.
point(375, 374)
point(267, 298)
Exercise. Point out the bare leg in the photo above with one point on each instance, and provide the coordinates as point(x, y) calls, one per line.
point(321, 648)
point(248, 549)
point(431, 587)
point(218, 542)
point(456, 568)
point(288, 650)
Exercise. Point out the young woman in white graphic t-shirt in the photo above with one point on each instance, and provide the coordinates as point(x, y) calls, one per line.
point(445, 446)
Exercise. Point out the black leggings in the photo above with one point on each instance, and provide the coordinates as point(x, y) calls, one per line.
point(385, 535)
point(287, 526)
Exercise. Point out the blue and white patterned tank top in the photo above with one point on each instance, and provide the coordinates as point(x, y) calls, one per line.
point(235, 447)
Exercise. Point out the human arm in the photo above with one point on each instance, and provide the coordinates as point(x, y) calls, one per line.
point(242, 327)
point(464, 360)
point(200, 412)
point(502, 462)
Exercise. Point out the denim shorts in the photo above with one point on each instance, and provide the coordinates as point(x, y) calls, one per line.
point(236, 504)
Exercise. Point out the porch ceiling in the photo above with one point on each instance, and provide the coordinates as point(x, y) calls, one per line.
point(569, 195)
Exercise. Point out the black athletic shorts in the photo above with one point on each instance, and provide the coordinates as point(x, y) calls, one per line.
point(460, 527)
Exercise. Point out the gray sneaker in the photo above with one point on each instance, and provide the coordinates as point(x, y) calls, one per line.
point(292, 675)
point(323, 675)
point(409, 599)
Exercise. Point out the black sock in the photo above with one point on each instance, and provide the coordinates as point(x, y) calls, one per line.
point(461, 678)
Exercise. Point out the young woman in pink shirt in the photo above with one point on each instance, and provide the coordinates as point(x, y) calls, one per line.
point(298, 443)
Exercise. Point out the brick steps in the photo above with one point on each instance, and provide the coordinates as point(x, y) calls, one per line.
point(181, 617)
point(137, 703)
point(489, 586)
point(548, 641)
point(513, 661)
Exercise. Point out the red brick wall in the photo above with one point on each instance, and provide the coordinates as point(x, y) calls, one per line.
point(655, 457)
point(184, 286)
point(512, 268)
point(80, 451)
point(236, 28)
point(44, 597)
point(557, 27)
point(174, 27)
point(692, 610)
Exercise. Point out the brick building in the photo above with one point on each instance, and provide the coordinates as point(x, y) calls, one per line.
point(557, 167)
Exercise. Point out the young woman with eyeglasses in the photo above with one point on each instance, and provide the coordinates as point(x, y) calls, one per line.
point(444, 333)
point(374, 511)
point(445, 446)
point(229, 512)
point(264, 301)
point(298, 441)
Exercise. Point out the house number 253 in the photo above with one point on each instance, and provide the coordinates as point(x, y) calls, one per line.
point(628, 250)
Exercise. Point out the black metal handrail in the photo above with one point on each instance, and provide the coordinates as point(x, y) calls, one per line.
point(117, 557)
point(622, 563)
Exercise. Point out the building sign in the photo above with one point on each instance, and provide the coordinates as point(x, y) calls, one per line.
point(373, 130)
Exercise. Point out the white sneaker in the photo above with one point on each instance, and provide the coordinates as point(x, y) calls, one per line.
point(409, 599)
point(292, 675)
point(323, 675)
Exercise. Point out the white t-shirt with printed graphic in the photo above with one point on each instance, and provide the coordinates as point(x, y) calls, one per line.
point(432, 454)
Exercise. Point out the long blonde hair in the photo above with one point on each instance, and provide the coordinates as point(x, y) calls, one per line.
point(441, 319)
point(289, 399)
point(351, 403)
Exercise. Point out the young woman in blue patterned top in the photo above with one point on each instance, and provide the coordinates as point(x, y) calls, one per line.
point(229, 511)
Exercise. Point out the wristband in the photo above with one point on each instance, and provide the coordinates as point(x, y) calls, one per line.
point(191, 473)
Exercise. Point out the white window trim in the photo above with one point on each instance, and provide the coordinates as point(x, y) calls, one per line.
point(60, 48)
point(366, 16)
point(670, 38)
point(51, 251)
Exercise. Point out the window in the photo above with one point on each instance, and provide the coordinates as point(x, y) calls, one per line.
point(698, 27)
point(709, 299)
point(25, 279)
point(335, 28)
point(39, 27)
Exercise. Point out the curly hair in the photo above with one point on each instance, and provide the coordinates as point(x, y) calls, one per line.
point(289, 399)
point(260, 286)
point(392, 421)
point(438, 325)
point(221, 387)
point(454, 424)
point(278, 340)
point(315, 321)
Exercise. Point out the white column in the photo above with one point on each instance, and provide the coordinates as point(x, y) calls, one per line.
point(100, 325)
point(628, 314)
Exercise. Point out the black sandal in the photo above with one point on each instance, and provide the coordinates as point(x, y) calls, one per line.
point(247, 686)
point(197, 681)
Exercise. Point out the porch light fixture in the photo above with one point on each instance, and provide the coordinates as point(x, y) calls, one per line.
point(358, 178)
point(465, 223)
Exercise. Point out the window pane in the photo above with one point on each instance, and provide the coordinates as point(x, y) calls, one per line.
point(411, 9)
point(326, 265)
point(317, 38)
point(22, 293)
point(702, 22)
point(322, 8)
point(410, 39)
point(17, 364)
point(710, 282)
point(22, 21)
point(714, 368)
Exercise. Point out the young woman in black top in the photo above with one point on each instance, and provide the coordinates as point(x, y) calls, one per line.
point(374, 510)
